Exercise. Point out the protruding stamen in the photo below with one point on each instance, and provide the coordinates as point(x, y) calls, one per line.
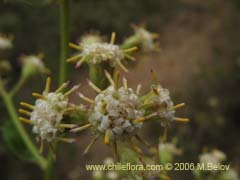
point(125, 83)
point(113, 37)
point(69, 109)
point(86, 98)
point(154, 35)
point(41, 147)
point(178, 105)
point(40, 56)
point(69, 126)
point(29, 106)
point(154, 90)
point(139, 86)
point(104, 106)
point(178, 119)
point(39, 96)
point(141, 140)
point(121, 65)
point(22, 111)
point(94, 87)
point(109, 77)
point(74, 88)
point(130, 57)
point(75, 46)
point(130, 49)
point(141, 119)
point(47, 86)
point(107, 137)
point(67, 140)
point(81, 128)
point(25, 120)
point(135, 147)
point(116, 78)
point(74, 58)
point(79, 63)
point(154, 77)
point(89, 146)
point(64, 85)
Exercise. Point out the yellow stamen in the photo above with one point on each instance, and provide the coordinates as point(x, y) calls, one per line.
point(104, 106)
point(178, 119)
point(48, 84)
point(130, 49)
point(79, 63)
point(69, 109)
point(25, 120)
point(69, 126)
point(90, 145)
point(154, 77)
point(139, 86)
point(109, 77)
point(81, 128)
point(125, 83)
point(86, 98)
point(121, 65)
point(154, 35)
point(178, 105)
point(141, 119)
point(39, 96)
point(107, 137)
point(113, 37)
point(22, 111)
point(94, 87)
point(154, 90)
point(130, 57)
point(40, 56)
point(74, 58)
point(41, 147)
point(67, 140)
point(64, 85)
point(116, 78)
point(75, 46)
point(29, 106)
point(74, 88)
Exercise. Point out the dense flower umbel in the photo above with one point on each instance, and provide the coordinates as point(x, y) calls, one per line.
point(98, 52)
point(118, 113)
point(47, 113)
point(5, 42)
point(160, 102)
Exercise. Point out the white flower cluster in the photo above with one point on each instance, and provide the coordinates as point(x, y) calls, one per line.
point(163, 101)
point(98, 52)
point(5, 43)
point(47, 115)
point(145, 39)
point(169, 148)
point(115, 110)
point(214, 157)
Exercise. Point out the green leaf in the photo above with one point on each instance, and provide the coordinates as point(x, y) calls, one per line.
point(14, 142)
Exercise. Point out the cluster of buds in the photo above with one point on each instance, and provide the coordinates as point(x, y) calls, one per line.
point(47, 114)
point(98, 52)
point(118, 112)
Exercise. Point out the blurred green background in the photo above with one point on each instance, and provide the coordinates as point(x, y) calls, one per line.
point(199, 64)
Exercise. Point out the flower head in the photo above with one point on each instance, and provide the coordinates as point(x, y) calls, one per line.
point(33, 64)
point(99, 52)
point(48, 113)
point(6, 42)
point(213, 157)
point(146, 38)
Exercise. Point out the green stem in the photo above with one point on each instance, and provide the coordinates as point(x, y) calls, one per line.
point(64, 35)
point(14, 117)
point(18, 86)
